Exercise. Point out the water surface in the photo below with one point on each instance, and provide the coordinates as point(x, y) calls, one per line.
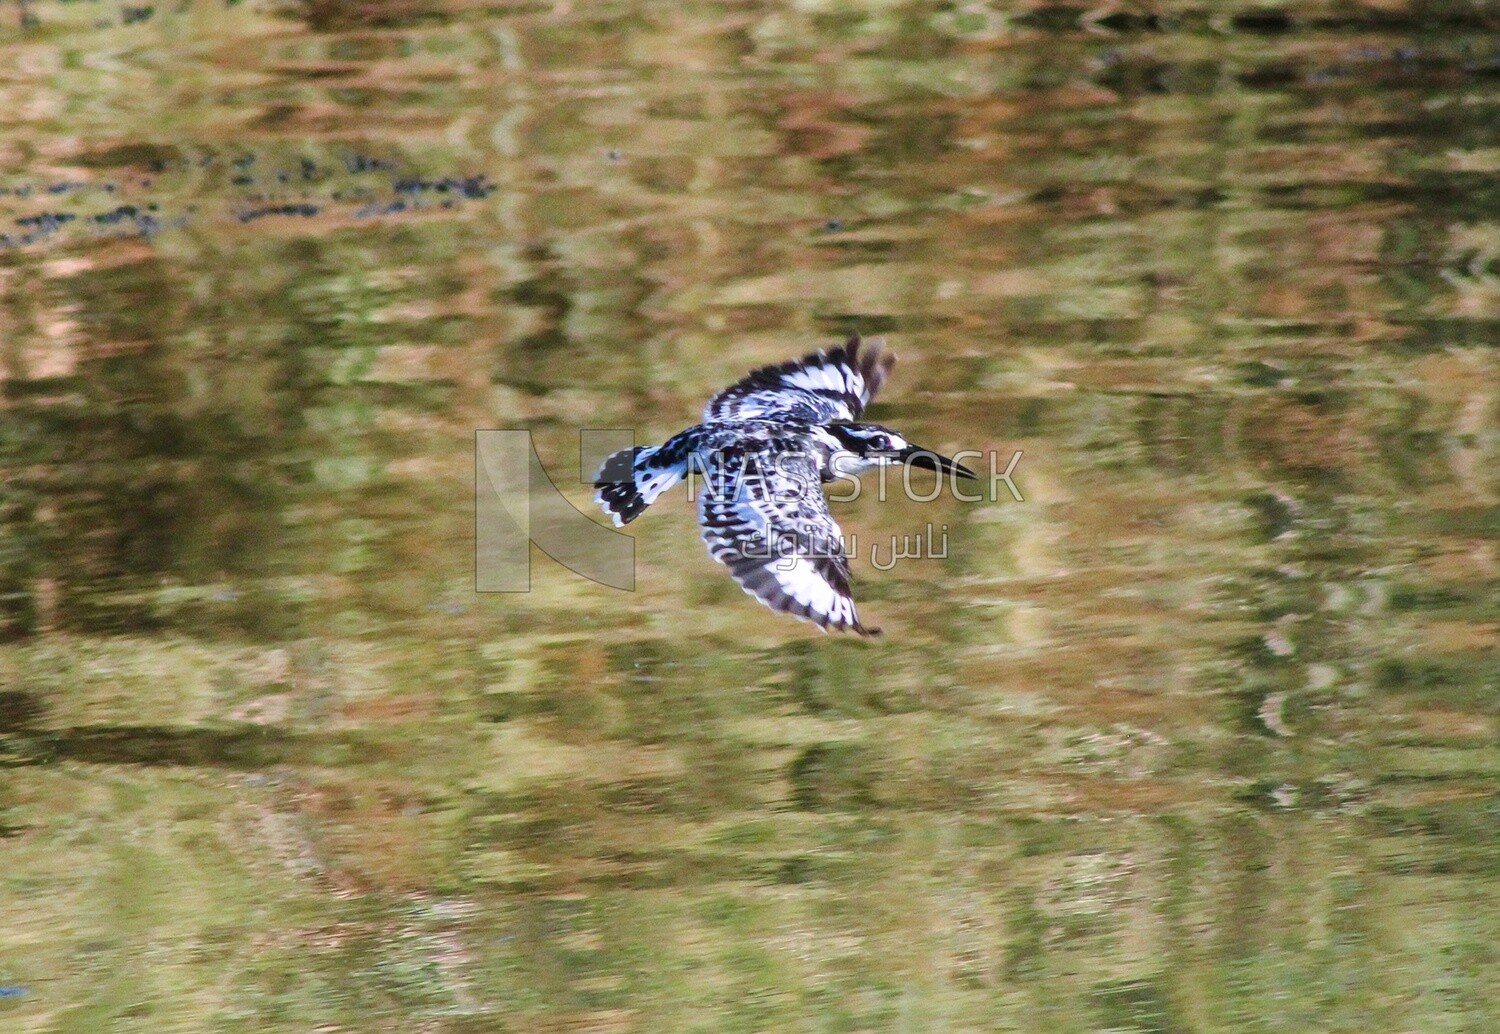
point(1201, 736)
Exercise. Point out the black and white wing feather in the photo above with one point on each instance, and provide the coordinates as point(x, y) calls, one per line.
point(818, 388)
point(769, 524)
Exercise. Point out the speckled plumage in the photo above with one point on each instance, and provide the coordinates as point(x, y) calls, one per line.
point(766, 446)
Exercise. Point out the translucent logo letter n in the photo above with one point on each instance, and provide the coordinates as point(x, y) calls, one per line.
point(516, 504)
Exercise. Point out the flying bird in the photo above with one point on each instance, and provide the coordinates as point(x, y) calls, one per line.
point(766, 447)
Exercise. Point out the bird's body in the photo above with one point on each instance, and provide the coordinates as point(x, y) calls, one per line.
point(765, 448)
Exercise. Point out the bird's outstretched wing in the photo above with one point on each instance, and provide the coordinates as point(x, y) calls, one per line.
point(770, 525)
point(818, 388)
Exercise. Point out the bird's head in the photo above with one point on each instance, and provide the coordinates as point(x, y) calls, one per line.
point(872, 445)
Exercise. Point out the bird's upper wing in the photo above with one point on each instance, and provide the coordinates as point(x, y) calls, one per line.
point(817, 388)
point(769, 524)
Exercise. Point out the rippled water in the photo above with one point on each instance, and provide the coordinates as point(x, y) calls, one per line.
point(1201, 736)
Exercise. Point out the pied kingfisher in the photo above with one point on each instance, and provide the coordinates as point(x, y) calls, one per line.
point(766, 446)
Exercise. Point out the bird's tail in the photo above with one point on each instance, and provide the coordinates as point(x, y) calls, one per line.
point(631, 479)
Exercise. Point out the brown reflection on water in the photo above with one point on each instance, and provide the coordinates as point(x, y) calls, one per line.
point(1199, 736)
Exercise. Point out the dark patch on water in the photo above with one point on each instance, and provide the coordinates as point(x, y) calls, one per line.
point(20, 710)
point(318, 192)
point(1140, 1006)
point(830, 776)
point(247, 748)
point(1275, 515)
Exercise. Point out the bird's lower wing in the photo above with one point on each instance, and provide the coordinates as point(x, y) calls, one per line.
point(772, 529)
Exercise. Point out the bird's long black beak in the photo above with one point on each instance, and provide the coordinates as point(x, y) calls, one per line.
point(925, 459)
